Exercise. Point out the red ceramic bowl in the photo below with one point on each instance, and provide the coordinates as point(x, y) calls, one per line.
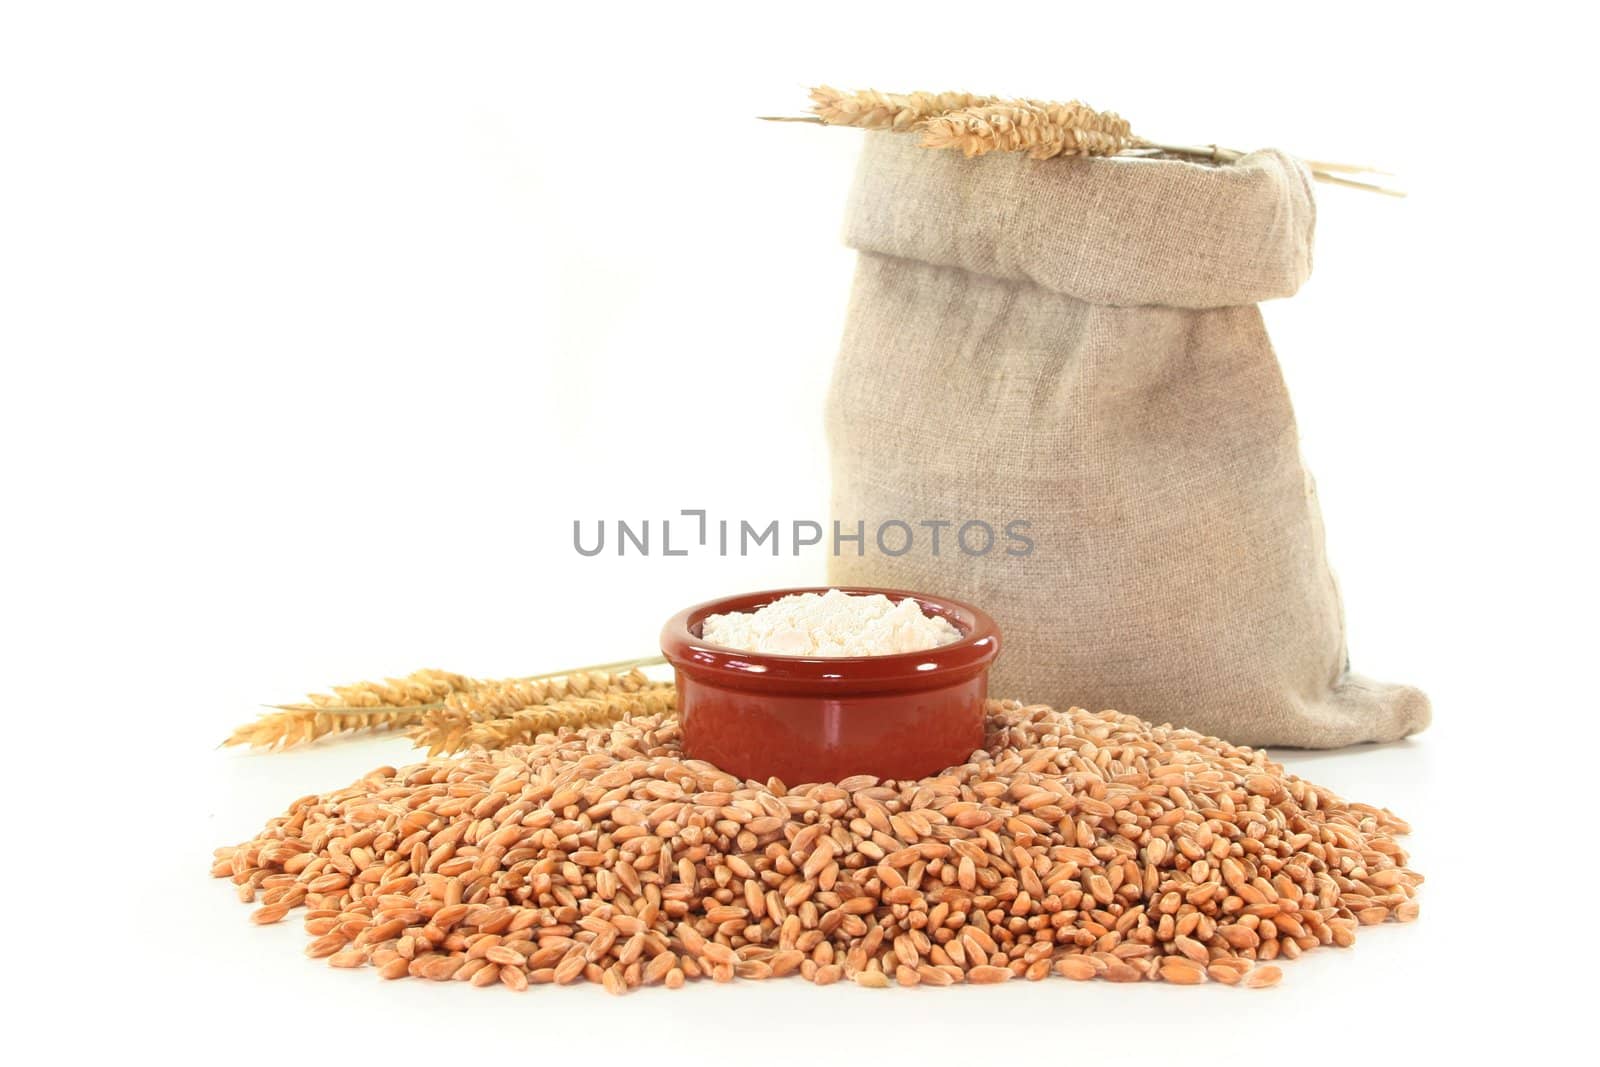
point(815, 719)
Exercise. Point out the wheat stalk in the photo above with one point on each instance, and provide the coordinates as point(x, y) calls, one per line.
point(976, 125)
point(461, 719)
point(638, 696)
point(398, 703)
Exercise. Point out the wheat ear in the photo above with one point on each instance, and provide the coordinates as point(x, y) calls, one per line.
point(978, 124)
point(869, 109)
point(418, 687)
point(446, 727)
point(299, 726)
point(628, 696)
point(390, 704)
point(1042, 130)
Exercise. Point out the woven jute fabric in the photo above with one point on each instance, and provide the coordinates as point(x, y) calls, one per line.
point(1075, 344)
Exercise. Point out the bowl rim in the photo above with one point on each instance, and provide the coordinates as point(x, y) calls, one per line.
point(927, 669)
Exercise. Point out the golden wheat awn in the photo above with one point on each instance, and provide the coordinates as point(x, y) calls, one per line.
point(1075, 844)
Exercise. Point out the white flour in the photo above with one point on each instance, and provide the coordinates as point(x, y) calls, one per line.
point(831, 624)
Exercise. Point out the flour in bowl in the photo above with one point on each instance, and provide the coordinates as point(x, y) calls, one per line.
point(831, 624)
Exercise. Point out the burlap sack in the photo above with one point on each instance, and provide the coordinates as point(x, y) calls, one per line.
point(1075, 344)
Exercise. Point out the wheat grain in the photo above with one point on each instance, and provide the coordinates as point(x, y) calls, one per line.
point(1085, 845)
point(986, 974)
point(1263, 977)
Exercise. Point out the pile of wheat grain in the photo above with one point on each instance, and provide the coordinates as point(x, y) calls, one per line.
point(1085, 845)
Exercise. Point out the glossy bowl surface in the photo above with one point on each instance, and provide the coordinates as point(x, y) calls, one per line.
point(815, 719)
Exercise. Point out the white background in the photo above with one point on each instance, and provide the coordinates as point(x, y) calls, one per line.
point(321, 323)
